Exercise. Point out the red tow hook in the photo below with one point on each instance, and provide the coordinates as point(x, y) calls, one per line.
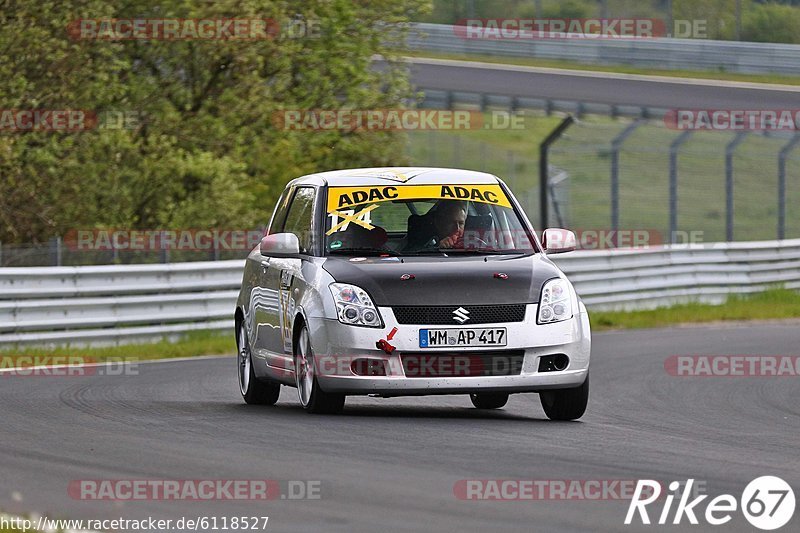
point(384, 345)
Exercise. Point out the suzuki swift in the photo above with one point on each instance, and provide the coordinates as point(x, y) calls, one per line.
point(409, 281)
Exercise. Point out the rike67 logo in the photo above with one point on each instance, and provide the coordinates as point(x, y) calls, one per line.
point(767, 503)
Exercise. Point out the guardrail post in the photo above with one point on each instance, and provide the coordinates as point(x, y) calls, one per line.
point(673, 182)
point(55, 251)
point(729, 150)
point(616, 146)
point(448, 100)
point(782, 156)
point(544, 148)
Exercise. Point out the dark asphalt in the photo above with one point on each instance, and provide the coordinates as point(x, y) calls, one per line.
point(609, 89)
point(390, 465)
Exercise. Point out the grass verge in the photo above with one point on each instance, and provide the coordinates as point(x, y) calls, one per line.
point(190, 345)
point(771, 304)
point(620, 69)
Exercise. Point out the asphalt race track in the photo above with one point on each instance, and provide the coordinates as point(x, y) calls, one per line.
point(600, 88)
point(391, 465)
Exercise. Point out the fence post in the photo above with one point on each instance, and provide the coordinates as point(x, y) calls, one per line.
point(782, 156)
point(673, 182)
point(616, 146)
point(544, 148)
point(512, 169)
point(729, 150)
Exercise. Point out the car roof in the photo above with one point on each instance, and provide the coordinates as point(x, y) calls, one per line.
point(394, 176)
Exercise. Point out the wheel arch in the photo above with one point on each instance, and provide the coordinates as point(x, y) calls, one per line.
point(299, 321)
point(238, 321)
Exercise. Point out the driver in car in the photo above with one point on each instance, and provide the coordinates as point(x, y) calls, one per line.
point(449, 221)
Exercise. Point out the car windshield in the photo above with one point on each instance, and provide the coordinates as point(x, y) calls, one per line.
point(409, 220)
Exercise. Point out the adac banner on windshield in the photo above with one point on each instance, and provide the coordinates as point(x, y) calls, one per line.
point(347, 197)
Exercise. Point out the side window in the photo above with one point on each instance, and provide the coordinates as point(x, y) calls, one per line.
point(300, 216)
point(279, 215)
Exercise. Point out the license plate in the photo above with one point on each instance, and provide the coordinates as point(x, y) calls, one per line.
point(436, 338)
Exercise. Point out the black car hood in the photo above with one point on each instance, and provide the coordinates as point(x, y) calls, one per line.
point(445, 280)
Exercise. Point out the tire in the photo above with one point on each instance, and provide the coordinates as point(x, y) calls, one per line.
point(312, 397)
point(565, 404)
point(254, 391)
point(489, 400)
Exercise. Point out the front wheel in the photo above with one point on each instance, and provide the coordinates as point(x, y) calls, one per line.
point(489, 400)
point(565, 404)
point(254, 391)
point(312, 397)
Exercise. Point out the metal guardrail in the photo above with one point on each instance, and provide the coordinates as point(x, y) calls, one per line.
point(657, 53)
point(709, 273)
point(104, 305)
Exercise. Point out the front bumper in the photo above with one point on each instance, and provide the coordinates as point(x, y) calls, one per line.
point(333, 341)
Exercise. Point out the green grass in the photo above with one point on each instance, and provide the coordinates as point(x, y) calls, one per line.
point(772, 304)
point(621, 69)
point(190, 345)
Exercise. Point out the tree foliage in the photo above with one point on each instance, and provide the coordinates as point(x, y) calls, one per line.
point(204, 151)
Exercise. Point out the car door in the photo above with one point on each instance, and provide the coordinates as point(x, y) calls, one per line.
point(283, 275)
point(264, 300)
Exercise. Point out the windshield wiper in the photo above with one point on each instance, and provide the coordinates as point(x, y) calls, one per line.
point(363, 250)
point(481, 251)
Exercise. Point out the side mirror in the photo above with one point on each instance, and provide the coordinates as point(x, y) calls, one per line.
point(280, 245)
point(559, 241)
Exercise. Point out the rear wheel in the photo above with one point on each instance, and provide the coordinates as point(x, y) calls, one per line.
point(489, 400)
point(565, 404)
point(312, 397)
point(254, 391)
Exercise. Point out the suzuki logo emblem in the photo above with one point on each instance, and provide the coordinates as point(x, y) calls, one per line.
point(460, 315)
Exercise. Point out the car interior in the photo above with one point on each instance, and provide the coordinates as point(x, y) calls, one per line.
point(419, 231)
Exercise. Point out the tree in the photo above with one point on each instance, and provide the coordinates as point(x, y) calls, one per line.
point(201, 149)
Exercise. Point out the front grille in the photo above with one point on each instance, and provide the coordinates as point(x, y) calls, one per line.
point(443, 314)
point(462, 364)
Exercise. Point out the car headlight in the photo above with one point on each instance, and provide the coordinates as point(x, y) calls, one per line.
point(354, 306)
point(555, 303)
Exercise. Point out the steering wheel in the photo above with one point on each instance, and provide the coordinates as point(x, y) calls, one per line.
point(434, 243)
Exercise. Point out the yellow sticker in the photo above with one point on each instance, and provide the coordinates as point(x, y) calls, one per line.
point(347, 197)
point(361, 219)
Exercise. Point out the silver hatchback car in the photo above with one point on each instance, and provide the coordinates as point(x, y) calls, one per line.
point(409, 281)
